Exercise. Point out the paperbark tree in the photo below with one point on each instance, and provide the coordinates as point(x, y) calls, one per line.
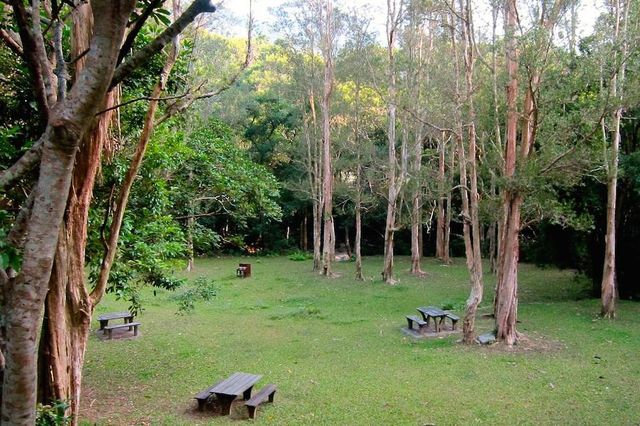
point(620, 15)
point(394, 12)
point(70, 118)
point(515, 160)
point(468, 168)
point(327, 49)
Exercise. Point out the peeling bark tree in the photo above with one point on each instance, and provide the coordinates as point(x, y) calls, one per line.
point(506, 291)
point(506, 302)
point(70, 120)
point(393, 16)
point(468, 172)
point(327, 46)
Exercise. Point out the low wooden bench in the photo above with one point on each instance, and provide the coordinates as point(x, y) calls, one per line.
point(203, 396)
point(454, 319)
point(131, 325)
point(263, 394)
point(411, 319)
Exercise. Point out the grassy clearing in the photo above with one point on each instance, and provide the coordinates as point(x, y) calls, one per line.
point(335, 350)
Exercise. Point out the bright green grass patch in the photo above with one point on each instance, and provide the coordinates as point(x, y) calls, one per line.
point(334, 349)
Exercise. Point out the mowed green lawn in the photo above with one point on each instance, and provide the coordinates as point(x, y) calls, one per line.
point(336, 352)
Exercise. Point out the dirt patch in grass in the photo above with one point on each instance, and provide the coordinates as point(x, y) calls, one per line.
point(527, 343)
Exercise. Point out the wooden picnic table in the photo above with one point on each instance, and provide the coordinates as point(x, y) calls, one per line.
point(232, 387)
point(105, 318)
point(431, 312)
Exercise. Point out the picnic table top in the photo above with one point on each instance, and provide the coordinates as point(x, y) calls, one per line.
point(115, 315)
point(236, 384)
point(432, 311)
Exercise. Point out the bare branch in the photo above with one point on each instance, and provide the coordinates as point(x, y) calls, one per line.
point(139, 23)
point(143, 55)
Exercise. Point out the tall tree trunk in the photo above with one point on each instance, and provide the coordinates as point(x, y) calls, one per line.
point(507, 286)
point(608, 285)
point(358, 241)
point(609, 292)
point(191, 262)
point(440, 221)
point(68, 122)
point(416, 212)
point(329, 241)
point(448, 206)
point(305, 232)
point(69, 305)
point(469, 183)
point(390, 223)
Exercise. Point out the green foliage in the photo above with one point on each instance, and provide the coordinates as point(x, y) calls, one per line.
point(300, 255)
point(202, 289)
point(52, 415)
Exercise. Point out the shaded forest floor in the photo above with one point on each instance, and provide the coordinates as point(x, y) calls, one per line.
point(335, 350)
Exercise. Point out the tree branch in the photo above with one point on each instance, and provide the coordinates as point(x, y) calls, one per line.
point(28, 160)
point(12, 42)
point(19, 229)
point(143, 55)
point(31, 58)
point(131, 37)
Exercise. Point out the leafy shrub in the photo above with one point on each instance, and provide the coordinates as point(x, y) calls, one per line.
point(52, 415)
point(453, 305)
point(202, 289)
point(300, 255)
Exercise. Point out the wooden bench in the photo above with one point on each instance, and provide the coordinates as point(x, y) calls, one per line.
point(131, 325)
point(414, 319)
point(204, 395)
point(263, 394)
point(454, 319)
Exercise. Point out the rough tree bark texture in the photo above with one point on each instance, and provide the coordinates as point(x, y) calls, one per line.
point(67, 124)
point(507, 285)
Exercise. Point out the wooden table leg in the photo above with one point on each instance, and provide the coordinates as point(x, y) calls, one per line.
point(247, 394)
point(225, 403)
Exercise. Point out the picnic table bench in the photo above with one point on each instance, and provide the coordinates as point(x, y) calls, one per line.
point(105, 318)
point(411, 319)
point(438, 316)
point(263, 394)
point(229, 389)
point(128, 323)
